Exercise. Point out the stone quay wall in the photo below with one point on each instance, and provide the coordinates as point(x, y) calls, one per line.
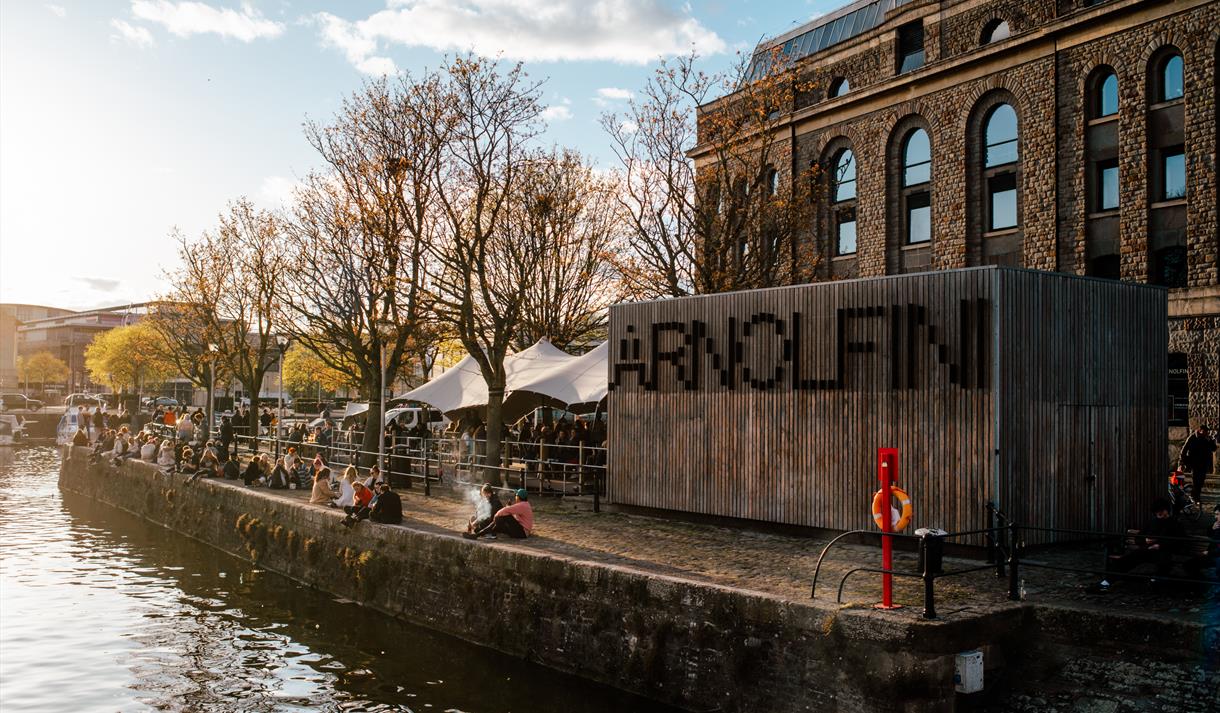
point(697, 646)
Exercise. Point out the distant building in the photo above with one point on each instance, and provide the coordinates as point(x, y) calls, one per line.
point(13, 316)
point(66, 334)
point(1076, 136)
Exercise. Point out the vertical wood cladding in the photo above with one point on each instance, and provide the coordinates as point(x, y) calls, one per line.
point(770, 404)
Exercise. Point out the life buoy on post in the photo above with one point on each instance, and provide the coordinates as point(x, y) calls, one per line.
point(899, 521)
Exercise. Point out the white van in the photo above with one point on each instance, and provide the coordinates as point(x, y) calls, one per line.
point(408, 417)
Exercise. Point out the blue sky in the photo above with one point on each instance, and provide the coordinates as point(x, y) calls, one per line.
point(123, 119)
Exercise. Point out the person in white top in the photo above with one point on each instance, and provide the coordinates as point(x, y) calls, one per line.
point(165, 456)
point(347, 491)
point(148, 451)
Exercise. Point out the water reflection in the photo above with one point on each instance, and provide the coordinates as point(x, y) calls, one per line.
point(102, 611)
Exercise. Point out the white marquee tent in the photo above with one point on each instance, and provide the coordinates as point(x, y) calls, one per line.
point(541, 375)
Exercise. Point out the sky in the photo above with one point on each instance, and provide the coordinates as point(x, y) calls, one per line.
point(124, 120)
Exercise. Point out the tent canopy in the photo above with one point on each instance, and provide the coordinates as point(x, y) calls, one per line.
point(577, 385)
point(462, 387)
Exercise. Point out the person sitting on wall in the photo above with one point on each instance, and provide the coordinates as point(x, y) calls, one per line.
point(280, 478)
point(254, 471)
point(374, 478)
point(104, 445)
point(321, 494)
point(386, 508)
point(230, 469)
point(516, 520)
point(188, 465)
point(1153, 547)
point(489, 504)
point(347, 490)
point(165, 455)
point(361, 498)
point(80, 438)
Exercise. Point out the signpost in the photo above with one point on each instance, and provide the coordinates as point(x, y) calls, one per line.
point(887, 473)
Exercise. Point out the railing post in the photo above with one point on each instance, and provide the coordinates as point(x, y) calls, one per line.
point(929, 575)
point(1000, 533)
point(427, 481)
point(1014, 579)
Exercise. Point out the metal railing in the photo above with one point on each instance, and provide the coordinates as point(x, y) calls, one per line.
point(1004, 553)
point(433, 460)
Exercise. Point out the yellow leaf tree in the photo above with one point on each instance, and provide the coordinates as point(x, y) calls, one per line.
point(42, 368)
point(128, 356)
point(305, 371)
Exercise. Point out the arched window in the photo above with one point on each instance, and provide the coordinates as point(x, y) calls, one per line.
point(772, 181)
point(995, 31)
point(1000, 157)
point(839, 87)
point(1167, 78)
point(1168, 263)
point(844, 176)
point(843, 202)
point(1103, 94)
point(916, 193)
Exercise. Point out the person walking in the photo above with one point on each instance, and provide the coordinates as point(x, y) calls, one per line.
point(1197, 456)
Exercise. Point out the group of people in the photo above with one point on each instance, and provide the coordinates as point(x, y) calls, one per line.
point(370, 498)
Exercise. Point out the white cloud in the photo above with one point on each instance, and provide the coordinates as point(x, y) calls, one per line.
point(629, 127)
point(196, 18)
point(132, 34)
point(626, 31)
point(59, 10)
point(615, 93)
point(606, 95)
point(277, 191)
point(557, 113)
point(359, 50)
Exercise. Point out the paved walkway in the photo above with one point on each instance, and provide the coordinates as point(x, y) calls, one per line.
point(783, 564)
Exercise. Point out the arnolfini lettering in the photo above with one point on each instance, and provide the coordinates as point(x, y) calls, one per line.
point(875, 347)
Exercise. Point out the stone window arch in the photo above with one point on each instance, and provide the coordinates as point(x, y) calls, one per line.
point(993, 181)
point(1102, 182)
point(909, 157)
point(1168, 263)
point(840, 216)
point(995, 30)
point(838, 87)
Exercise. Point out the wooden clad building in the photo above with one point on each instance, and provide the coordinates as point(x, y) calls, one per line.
point(1043, 392)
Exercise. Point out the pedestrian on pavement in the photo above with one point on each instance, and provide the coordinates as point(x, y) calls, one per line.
point(1197, 457)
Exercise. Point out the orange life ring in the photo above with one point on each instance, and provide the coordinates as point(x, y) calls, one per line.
point(904, 518)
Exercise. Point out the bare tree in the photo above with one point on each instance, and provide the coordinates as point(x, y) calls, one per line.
point(230, 291)
point(359, 234)
point(184, 339)
point(738, 214)
point(574, 282)
point(490, 192)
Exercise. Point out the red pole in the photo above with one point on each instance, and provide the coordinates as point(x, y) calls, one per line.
point(887, 474)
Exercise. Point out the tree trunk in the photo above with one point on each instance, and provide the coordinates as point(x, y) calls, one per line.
point(495, 418)
point(372, 428)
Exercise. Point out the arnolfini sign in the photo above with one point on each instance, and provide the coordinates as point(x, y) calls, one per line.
point(993, 383)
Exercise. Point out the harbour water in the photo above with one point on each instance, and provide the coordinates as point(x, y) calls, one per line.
point(102, 611)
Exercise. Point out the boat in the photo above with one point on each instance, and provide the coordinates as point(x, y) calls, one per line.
point(66, 429)
point(12, 430)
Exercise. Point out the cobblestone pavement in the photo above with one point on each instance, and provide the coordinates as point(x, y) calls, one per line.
point(783, 564)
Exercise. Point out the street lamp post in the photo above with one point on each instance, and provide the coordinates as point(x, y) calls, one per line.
point(383, 329)
point(212, 350)
point(282, 342)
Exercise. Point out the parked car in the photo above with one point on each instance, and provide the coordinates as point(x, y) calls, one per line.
point(15, 402)
point(162, 401)
point(90, 400)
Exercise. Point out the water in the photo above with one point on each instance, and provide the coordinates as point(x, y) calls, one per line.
point(100, 611)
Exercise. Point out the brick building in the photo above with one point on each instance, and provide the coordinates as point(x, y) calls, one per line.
point(1070, 135)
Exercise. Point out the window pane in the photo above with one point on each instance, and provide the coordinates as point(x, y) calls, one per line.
point(846, 238)
point(1170, 268)
point(839, 87)
point(1108, 188)
point(919, 218)
point(1000, 134)
point(845, 176)
point(1107, 99)
point(1171, 79)
point(1003, 191)
point(1175, 174)
point(917, 159)
point(999, 32)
